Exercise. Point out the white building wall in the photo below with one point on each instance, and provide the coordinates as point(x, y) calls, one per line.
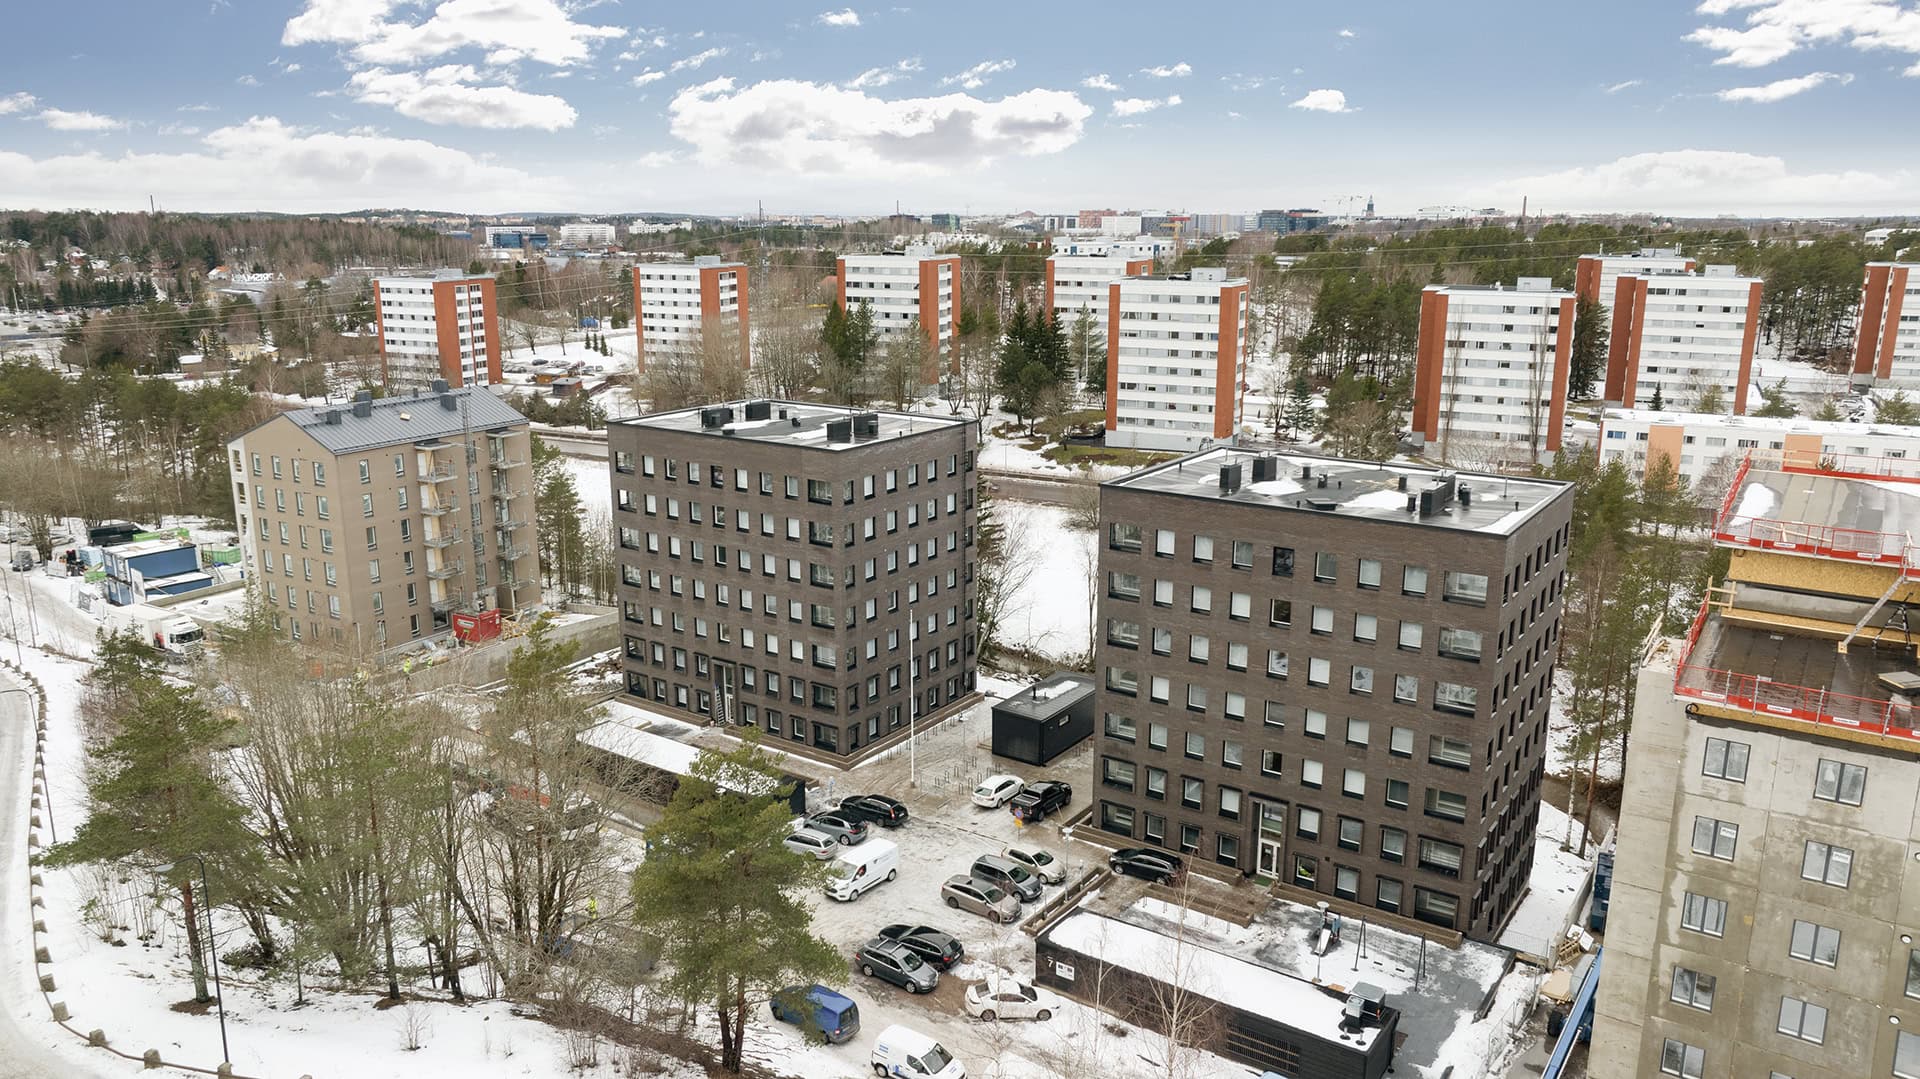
point(1712, 445)
point(1496, 375)
point(670, 304)
point(1692, 334)
point(586, 234)
point(410, 329)
point(890, 286)
point(1646, 262)
point(1167, 370)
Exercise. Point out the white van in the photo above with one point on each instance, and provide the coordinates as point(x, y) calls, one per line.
point(856, 869)
point(905, 1052)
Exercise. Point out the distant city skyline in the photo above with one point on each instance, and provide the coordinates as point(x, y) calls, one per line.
point(1744, 107)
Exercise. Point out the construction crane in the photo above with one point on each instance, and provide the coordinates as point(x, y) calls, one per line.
point(1347, 201)
point(1175, 222)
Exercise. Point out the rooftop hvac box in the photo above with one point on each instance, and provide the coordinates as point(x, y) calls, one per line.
point(1044, 720)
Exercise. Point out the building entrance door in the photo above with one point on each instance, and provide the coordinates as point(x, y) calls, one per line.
point(725, 711)
point(1272, 837)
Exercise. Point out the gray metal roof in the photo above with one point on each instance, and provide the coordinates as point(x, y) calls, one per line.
point(396, 421)
point(1048, 697)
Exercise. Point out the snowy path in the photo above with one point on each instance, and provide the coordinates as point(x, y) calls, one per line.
point(28, 1040)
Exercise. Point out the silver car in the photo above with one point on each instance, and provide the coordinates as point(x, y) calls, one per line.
point(846, 829)
point(812, 844)
point(1041, 863)
point(980, 897)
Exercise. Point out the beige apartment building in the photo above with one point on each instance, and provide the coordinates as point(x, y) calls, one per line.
point(1766, 890)
point(370, 524)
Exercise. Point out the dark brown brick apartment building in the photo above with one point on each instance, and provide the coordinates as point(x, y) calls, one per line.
point(776, 556)
point(1333, 673)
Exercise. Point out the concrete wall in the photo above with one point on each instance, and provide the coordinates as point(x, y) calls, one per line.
point(488, 663)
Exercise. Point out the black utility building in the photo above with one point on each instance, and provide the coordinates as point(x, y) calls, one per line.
point(1044, 720)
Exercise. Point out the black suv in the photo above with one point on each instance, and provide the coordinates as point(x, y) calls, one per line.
point(878, 808)
point(1146, 863)
point(1040, 799)
point(930, 944)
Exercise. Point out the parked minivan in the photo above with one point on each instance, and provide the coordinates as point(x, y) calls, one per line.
point(1010, 878)
point(817, 1010)
point(856, 869)
point(907, 1052)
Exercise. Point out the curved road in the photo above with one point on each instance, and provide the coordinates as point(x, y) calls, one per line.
point(27, 1037)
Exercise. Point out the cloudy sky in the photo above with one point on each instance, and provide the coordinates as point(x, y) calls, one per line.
point(1730, 106)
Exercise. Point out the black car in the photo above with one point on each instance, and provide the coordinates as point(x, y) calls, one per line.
point(877, 808)
point(1040, 799)
point(1146, 863)
point(932, 945)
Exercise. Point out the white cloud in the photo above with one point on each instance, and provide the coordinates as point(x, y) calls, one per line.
point(202, 107)
point(1781, 89)
point(1100, 82)
point(787, 125)
point(1777, 28)
point(648, 76)
point(16, 102)
point(1322, 101)
point(543, 29)
point(1237, 82)
point(1626, 84)
point(1707, 181)
point(1134, 106)
point(312, 172)
point(641, 45)
point(689, 63)
point(1178, 71)
point(289, 69)
point(247, 80)
point(875, 77)
point(446, 95)
point(177, 129)
point(843, 17)
point(654, 159)
point(976, 76)
point(1346, 33)
point(62, 120)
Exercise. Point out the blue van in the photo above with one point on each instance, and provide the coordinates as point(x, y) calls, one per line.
point(818, 1011)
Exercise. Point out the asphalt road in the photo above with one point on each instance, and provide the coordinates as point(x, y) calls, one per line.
point(27, 1036)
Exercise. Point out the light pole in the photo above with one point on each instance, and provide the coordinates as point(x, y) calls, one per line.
point(213, 952)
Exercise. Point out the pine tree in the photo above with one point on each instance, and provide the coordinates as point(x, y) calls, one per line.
point(1828, 411)
point(1658, 403)
point(1896, 408)
point(1777, 405)
point(1589, 356)
point(715, 862)
point(1298, 414)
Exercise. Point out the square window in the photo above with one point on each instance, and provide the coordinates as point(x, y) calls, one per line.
point(1716, 838)
point(1704, 914)
point(1692, 988)
point(1352, 833)
point(1679, 1058)
point(1203, 548)
point(1306, 822)
point(1280, 613)
point(1393, 844)
point(1836, 781)
point(1196, 745)
point(1397, 793)
point(1387, 894)
point(1311, 773)
point(1413, 580)
point(1406, 690)
point(1359, 732)
point(1817, 943)
point(1400, 742)
point(1366, 627)
point(1318, 671)
point(1906, 1056)
point(1411, 635)
point(1271, 763)
point(1353, 783)
point(1360, 679)
point(1242, 554)
point(1202, 599)
point(1369, 575)
point(1799, 1019)
point(1325, 566)
point(1283, 561)
point(1726, 760)
point(1323, 620)
point(1824, 862)
point(1315, 725)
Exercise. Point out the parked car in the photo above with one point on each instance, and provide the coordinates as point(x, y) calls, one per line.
point(811, 843)
point(817, 1010)
point(875, 809)
point(980, 897)
point(993, 791)
point(1039, 862)
point(842, 828)
point(1006, 876)
point(1034, 803)
point(891, 961)
point(1146, 863)
point(904, 1051)
point(857, 869)
point(1010, 999)
point(933, 945)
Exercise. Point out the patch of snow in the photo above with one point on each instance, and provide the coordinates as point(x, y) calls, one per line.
point(1276, 488)
point(1756, 502)
point(1049, 613)
point(1555, 889)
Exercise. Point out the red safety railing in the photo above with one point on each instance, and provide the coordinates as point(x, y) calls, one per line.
point(1805, 538)
point(1853, 466)
point(1761, 695)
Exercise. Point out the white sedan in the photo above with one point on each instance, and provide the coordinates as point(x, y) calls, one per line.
point(1010, 999)
point(994, 791)
point(811, 843)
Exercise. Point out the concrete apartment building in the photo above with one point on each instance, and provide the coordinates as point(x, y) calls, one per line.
point(1886, 345)
point(1490, 370)
point(1077, 283)
point(586, 234)
point(674, 303)
point(1766, 887)
point(1331, 673)
point(900, 286)
point(1596, 277)
point(1682, 334)
point(797, 567)
point(1176, 369)
point(370, 524)
point(445, 327)
point(1707, 448)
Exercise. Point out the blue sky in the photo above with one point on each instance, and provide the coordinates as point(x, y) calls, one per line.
point(1735, 106)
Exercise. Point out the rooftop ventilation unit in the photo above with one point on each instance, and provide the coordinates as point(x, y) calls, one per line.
point(716, 416)
point(449, 402)
point(1229, 479)
point(866, 425)
point(761, 410)
point(1265, 468)
point(363, 405)
point(839, 431)
point(331, 416)
point(439, 386)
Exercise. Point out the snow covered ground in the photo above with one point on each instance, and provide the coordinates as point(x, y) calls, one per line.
point(590, 480)
point(1048, 613)
point(1558, 878)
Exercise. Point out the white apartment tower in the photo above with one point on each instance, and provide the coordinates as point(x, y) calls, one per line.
point(900, 286)
point(674, 303)
point(1176, 371)
point(1705, 449)
point(1080, 282)
point(1886, 347)
point(1683, 335)
point(1490, 372)
point(586, 234)
point(1596, 276)
point(438, 327)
